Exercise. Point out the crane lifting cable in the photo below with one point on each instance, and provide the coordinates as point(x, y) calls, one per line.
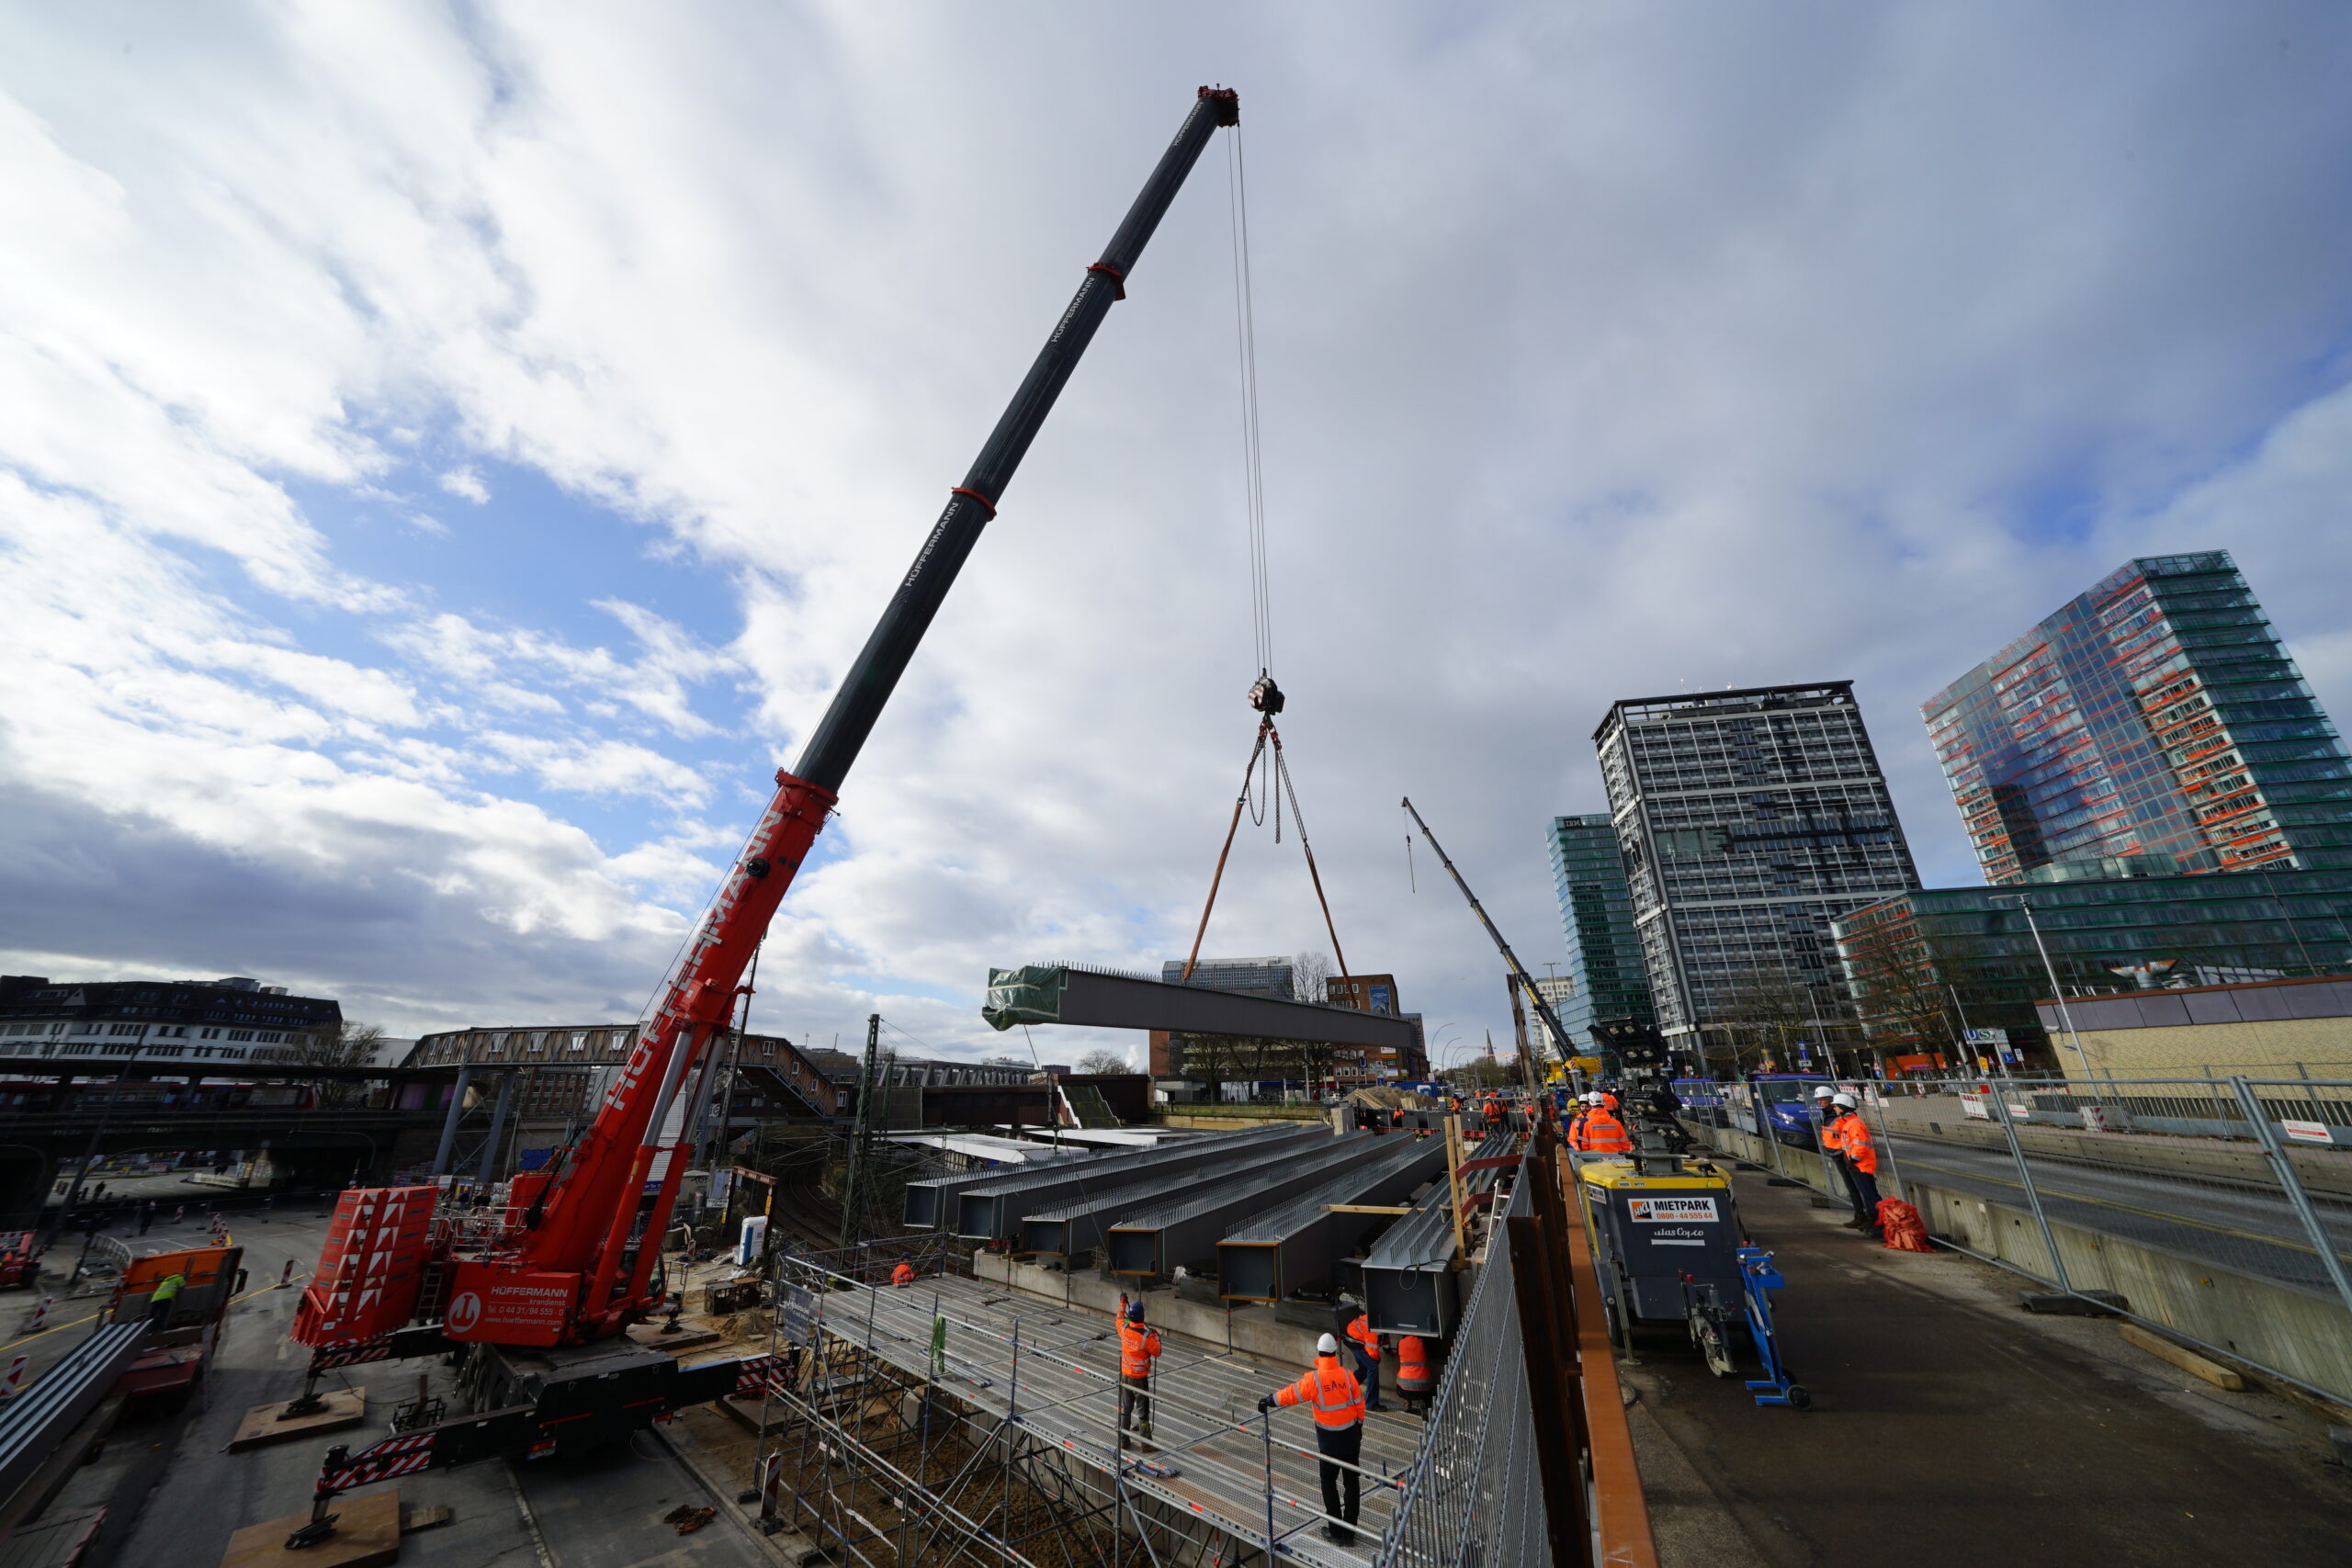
point(1265, 695)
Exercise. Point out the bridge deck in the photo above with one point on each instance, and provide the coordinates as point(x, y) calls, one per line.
point(1206, 1420)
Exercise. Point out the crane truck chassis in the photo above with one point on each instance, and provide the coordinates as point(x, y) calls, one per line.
point(537, 1302)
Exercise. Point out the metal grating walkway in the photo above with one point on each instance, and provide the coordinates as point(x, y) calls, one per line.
point(1206, 1424)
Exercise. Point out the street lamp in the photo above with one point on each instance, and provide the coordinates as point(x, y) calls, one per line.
point(2074, 1038)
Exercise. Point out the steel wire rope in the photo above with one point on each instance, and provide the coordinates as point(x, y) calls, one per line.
point(1253, 472)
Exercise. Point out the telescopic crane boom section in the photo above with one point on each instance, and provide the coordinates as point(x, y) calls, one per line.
point(1551, 1019)
point(578, 1262)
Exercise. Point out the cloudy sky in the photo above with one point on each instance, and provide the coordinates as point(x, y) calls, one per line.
point(451, 451)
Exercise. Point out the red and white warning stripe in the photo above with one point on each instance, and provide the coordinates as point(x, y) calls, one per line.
point(393, 1456)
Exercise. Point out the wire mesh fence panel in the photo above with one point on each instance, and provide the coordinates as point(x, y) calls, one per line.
point(2165, 1198)
point(1473, 1495)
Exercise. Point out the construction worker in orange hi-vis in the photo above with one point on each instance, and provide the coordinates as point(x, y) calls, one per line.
point(903, 1275)
point(1572, 1136)
point(1355, 1333)
point(1414, 1380)
point(1494, 1109)
point(1862, 1159)
point(1603, 1133)
point(1332, 1393)
point(1826, 1115)
point(1139, 1348)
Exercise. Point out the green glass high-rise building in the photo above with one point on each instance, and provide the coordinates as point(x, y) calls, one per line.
point(2156, 720)
point(1606, 976)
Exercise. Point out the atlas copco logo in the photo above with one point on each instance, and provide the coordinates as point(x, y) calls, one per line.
point(464, 1311)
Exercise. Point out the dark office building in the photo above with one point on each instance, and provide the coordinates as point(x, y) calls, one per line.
point(1606, 975)
point(2157, 718)
point(1748, 821)
point(103, 1025)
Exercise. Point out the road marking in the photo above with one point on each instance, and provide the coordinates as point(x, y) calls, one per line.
point(2130, 1209)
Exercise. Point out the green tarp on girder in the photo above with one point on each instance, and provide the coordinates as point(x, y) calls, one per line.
point(1029, 995)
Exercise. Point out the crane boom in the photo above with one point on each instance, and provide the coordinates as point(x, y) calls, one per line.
point(577, 1262)
point(1551, 1019)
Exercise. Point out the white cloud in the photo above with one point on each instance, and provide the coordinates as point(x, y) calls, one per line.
point(1605, 351)
point(466, 484)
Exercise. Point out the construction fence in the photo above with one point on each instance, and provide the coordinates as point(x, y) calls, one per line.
point(2216, 1209)
point(953, 1420)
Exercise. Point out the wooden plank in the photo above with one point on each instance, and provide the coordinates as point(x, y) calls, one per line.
point(261, 1424)
point(1367, 1208)
point(366, 1535)
point(2181, 1356)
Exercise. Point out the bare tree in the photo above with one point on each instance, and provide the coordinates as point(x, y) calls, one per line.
point(345, 1044)
point(1310, 977)
point(1769, 1010)
point(1102, 1060)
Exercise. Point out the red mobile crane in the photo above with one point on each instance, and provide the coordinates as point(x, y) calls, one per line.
point(539, 1302)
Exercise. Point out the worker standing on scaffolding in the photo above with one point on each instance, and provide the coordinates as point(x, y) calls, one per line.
point(1139, 1348)
point(1332, 1393)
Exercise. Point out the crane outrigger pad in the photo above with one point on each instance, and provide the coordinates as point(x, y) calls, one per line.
point(1059, 993)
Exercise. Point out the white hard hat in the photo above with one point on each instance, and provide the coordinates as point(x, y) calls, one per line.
point(1326, 1346)
point(1845, 1099)
point(1822, 1091)
point(1593, 1098)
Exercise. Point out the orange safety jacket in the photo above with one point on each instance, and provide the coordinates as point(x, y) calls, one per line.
point(1854, 1140)
point(1829, 1142)
point(1412, 1366)
point(1608, 1100)
point(1332, 1391)
point(1604, 1134)
point(1574, 1136)
point(1138, 1347)
point(904, 1274)
point(1360, 1330)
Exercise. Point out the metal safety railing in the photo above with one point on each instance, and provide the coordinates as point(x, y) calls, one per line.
point(959, 1417)
point(2217, 1209)
point(1474, 1495)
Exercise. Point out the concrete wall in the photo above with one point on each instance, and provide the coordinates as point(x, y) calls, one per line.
point(2308, 1338)
point(1800, 1165)
point(2320, 1170)
point(1207, 1116)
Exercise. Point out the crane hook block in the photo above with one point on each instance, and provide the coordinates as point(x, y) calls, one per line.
point(1228, 104)
point(1265, 696)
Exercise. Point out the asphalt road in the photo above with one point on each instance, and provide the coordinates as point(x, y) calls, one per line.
point(174, 1497)
point(1952, 1430)
point(2233, 1226)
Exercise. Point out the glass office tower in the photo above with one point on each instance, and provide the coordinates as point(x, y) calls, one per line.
point(2154, 726)
point(1606, 975)
point(1746, 821)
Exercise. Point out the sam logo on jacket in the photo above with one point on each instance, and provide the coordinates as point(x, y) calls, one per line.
point(464, 1311)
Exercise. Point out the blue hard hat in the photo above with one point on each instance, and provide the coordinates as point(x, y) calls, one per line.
point(1134, 1312)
